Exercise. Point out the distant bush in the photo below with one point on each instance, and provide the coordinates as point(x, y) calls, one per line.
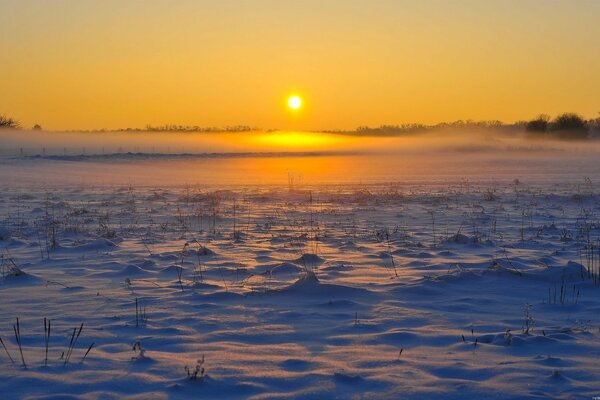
point(6, 122)
point(564, 126)
point(569, 126)
point(540, 124)
point(568, 122)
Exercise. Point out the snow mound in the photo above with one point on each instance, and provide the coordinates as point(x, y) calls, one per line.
point(18, 277)
point(170, 270)
point(134, 270)
point(203, 251)
point(572, 271)
point(309, 284)
point(459, 238)
point(99, 244)
point(4, 233)
point(286, 268)
point(308, 281)
point(497, 269)
point(309, 260)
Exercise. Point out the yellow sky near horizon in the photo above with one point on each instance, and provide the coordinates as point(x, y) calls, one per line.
point(113, 64)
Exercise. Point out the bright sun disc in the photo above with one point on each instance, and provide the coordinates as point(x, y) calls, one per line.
point(295, 102)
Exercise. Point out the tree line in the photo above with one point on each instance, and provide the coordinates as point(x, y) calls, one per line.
point(565, 126)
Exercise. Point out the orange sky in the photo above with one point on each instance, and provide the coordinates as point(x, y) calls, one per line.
point(110, 64)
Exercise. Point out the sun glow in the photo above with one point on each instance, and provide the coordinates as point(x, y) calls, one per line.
point(294, 102)
point(296, 140)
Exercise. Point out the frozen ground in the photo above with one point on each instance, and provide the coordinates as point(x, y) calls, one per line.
point(457, 290)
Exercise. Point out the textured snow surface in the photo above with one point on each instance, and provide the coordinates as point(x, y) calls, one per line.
point(458, 290)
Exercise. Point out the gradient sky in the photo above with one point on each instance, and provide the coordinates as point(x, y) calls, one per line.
point(115, 63)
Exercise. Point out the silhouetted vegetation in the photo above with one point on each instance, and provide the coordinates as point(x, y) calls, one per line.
point(391, 130)
point(408, 129)
point(176, 129)
point(8, 123)
point(565, 126)
point(195, 128)
point(540, 124)
point(568, 122)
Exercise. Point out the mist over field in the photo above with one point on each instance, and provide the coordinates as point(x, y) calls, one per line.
point(158, 158)
point(24, 142)
point(333, 265)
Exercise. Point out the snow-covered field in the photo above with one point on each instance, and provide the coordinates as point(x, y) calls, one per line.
point(458, 288)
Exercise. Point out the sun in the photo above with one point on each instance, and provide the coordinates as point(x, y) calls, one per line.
point(294, 102)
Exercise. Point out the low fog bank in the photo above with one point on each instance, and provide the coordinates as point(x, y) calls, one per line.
point(442, 140)
point(275, 158)
point(24, 142)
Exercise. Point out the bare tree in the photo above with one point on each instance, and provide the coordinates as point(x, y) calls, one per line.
point(6, 122)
